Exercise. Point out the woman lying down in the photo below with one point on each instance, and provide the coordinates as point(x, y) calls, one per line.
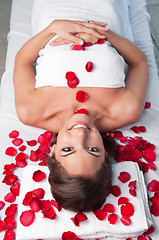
point(90, 83)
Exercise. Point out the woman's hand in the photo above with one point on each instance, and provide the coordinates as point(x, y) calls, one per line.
point(68, 30)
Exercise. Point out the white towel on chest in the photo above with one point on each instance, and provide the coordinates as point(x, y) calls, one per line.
point(44, 228)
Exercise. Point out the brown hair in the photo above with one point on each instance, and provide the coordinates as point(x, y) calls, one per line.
point(82, 193)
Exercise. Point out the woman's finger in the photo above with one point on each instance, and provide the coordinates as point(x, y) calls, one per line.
point(62, 41)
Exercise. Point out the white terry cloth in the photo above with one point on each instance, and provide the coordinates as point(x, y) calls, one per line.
point(44, 228)
point(54, 62)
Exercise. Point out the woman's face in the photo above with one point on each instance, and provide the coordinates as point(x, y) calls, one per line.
point(79, 146)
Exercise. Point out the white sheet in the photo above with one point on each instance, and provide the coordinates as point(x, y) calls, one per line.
point(20, 33)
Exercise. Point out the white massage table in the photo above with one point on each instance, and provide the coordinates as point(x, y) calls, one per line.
point(20, 32)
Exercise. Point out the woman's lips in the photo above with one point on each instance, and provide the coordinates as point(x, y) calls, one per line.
point(80, 124)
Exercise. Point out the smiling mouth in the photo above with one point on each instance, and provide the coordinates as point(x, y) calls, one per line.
point(78, 125)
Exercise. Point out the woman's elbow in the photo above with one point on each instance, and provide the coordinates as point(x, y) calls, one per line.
point(24, 114)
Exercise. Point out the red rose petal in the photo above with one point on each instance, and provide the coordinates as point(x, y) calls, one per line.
point(1, 225)
point(81, 111)
point(21, 156)
point(112, 218)
point(39, 192)
point(151, 166)
point(9, 179)
point(15, 188)
point(135, 129)
point(87, 44)
point(69, 236)
point(154, 209)
point(122, 200)
point(100, 41)
point(38, 176)
point(9, 167)
point(78, 47)
point(141, 237)
point(125, 220)
point(154, 200)
point(2, 204)
point(149, 231)
point(9, 219)
point(33, 156)
point(50, 213)
point(115, 191)
point(10, 151)
point(142, 129)
point(11, 210)
point(17, 141)
point(81, 96)
point(21, 163)
point(9, 197)
point(34, 205)
point(153, 186)
point(124, 177)
point(48, 135)
point(70, 76)
point(100, 214)
point(132, 185)
point(147, 105)
point(9, 235)
point(79, 217)
point(132, 192)
point(27, 218)
point(14, 134)
point(149, 155)
point(89, 66)
point(43, 139)
point(45, 204)
point(22, 148)
point(28, 197)
point(32, 143)
point(127, 210)
point(56, 205)
point(73, 83)
point(109, 208)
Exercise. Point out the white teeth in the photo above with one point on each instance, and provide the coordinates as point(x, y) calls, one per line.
point(78, 126)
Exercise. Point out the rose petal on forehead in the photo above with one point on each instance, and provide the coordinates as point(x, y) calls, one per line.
point(125, 220)
point(69, 236)
point(15, 188)
point(39, 192)
point(81, 96)
point(122, 200)
point(22, 148)
point(147, 105)
point(38, 176)
point(109, 208)
point(27, 218)
point(112, 218)
point(100, 214)
point(124, 177)
point(153, 186)
point(115, 191)
point(149, 155)
point(9, 197)
point(2, 204)
point(32, 143)
point(17, 141)
point(100, 41)
point(135, 129)
point(73, 83)
point(14, 134)
point(81, 111)
point(70, 76)
point(127, 210)
point(10, 151)
point(89, 66)
point(11, 210)
point(78, 47)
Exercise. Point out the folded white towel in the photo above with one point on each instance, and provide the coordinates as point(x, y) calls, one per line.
point(45, 228)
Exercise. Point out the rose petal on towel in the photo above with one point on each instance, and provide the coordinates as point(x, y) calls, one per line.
point(132, 185)
point(100, 214)
point(50, 213)
point(45, 204)
point(43, 149)
point(21, 164)
point(14, 134)
point(2, 204)
point(151, 166)
point(28, 197)
point(78, 47)
point(149, 238)
point(149, 231)
point(34, 205)
point(9, 179)
point(43, 139)
point(129, 239)
point(118, 134)
point(132, 192)
point(115, 191)
point(153, 186)
point(112, 218)
point(124, 177)
point(100, 41)
point(154, 209)
point(32, 143)
point(125, 220)
point(135, 129)
point(89, 66)
point(147, 105)
point(27, 218)
point(21, 156)
point(127, 210)
point(79, 217)
point(142, 129)
point(38, 176)
point(15, 188)
point(70, 76)
point(87, 44)
point(142, 237)
point(11, 210)
point(122, 139)
point(56, 205)
point(73, 83)
point(22, 148)
point(81, 96)
point(109, 208)
point(1, 225)
point(17, 141)
point(69, 236)
point(11, 151)
point(9, 235)
point(81, 111)
point(9, 197)
point(48, 135)
point(39, 192)
point(9, 167)
point(9, 219)
point(149, 155)
point(122, 200)
point(154, 200)
point(33, 156)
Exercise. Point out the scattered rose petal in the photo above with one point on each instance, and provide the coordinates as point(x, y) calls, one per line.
point(142, 129)
point(9, 219)
point(118, 134)
point(69, 236)
point(109, 208)
point(149, 155)
point(132, 192)
point(147, 105)
point(142, 237)
point(132, 185)
point(73, 83)
point(39, 192)
point(70, 76)
point(154, 200)
point(56, 205)
point(79, 217)
point(154, 209)
point(44, 139)
point(81, 96)
point(34, 205)
point(124, 177)
point(125, 220)
point(81, 111)
point(135, 129)
point(38, 176)
point(127, 210)
point(149, 231)
point(9, 235)
point(10, 151)
point(21, 156)
point(1, 225)
point(100, 41)
point(11, 210)
point(78, 47)
point(32, 143)
point(28, 197)
point(112, 218)
point(22, 148)
point(9, 197)
point(14, 134)
point(89, 66)
point(87, 44)
point(15, 188)
point(33, 156)
point(122, 200)
point(115, 191)
point(100, 214)
point(151, 166)
point(9, 179)
point(153, 186)
point(50, 213)
point(45, 204)
point(2, 204)
point(9, 167)
point(17, 141)
point(27, 218)
point(21, 163)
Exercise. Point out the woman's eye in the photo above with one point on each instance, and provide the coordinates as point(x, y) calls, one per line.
point(93, 149)
point(67, 149)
